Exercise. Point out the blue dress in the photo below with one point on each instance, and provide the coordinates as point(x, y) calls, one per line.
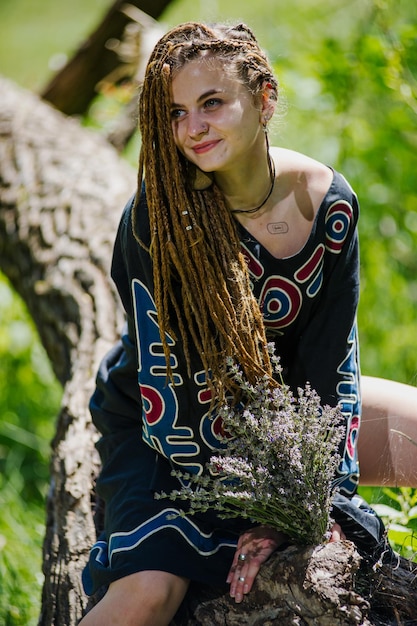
point(148, 427)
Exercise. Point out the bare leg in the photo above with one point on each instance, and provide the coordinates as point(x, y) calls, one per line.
point(387, 443)
point(149, 598)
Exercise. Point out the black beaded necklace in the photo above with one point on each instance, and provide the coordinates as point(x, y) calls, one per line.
point(271, 166)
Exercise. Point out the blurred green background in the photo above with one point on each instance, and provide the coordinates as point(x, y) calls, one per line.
point(348, 74)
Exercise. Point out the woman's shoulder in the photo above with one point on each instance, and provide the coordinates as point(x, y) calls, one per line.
point(295, 160)
point(302, 174)
point(302, 169)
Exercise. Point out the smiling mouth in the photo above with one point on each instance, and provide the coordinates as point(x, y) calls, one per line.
point(201, 148)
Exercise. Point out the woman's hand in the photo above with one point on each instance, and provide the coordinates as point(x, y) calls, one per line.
point(336, 533)
point(254, 548)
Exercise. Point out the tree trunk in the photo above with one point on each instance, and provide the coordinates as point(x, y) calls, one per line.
point(298, 586)
point(72, 89)
point(62, 190)
point(326, 585)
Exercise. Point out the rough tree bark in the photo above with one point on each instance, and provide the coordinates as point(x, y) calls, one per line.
point(62, 190)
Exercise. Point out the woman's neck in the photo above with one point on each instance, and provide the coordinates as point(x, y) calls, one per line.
point(249, 186)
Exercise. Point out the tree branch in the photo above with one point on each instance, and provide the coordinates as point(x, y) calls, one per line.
point(62, 190)
point(73, 88)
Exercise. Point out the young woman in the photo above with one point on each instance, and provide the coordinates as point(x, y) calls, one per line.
point(227, 245)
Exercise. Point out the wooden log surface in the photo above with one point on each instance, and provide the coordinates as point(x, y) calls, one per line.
point(62, 191)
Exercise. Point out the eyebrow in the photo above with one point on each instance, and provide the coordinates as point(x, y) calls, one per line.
point(203, 96)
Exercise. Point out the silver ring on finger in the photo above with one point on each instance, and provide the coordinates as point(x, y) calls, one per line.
point(241, 579)
point(241, 557)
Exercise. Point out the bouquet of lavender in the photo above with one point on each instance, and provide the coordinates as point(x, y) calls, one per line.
point(278, 462)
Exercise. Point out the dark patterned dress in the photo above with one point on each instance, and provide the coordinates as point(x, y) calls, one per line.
point(148, 427)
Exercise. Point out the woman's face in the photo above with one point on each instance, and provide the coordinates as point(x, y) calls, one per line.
point(215, 120)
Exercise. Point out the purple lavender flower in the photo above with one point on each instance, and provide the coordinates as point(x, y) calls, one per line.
point(279, 462)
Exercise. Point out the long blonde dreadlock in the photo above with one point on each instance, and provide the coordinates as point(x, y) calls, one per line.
point(201, 279)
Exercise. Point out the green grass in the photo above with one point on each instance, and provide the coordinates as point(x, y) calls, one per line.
point(398, 509)
point(29, 403)
point(21, 534)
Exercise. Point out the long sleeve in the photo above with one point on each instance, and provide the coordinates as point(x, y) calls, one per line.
point(116, 404)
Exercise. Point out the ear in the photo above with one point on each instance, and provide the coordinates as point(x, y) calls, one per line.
point(268, 103)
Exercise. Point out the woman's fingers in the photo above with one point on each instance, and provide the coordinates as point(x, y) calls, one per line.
point(254, 548)
point(336, 533)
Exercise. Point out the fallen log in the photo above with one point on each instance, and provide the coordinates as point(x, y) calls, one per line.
point(327, 585)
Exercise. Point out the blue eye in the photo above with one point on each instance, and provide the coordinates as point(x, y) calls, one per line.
point(212, 102)
point(177, 114)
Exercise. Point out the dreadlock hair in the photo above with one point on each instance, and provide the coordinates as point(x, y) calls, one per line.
point(201, 283)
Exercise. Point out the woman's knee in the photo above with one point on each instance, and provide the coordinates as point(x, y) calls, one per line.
point(148, 598)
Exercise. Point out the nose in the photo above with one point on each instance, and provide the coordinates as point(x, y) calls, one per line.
point(197, 126)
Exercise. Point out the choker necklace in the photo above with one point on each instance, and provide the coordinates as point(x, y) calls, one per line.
point(271, 166)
